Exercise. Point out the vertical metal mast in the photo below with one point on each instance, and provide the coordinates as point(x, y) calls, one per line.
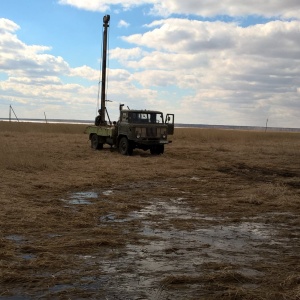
point(106, 19)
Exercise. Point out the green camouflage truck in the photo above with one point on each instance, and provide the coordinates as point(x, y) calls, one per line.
point(136, 129)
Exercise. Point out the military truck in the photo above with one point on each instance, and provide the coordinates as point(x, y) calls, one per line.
point(141, 129)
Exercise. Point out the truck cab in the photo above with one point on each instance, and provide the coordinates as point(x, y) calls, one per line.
point(144, 129)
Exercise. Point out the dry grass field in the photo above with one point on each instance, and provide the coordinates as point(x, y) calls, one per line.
point(217, 216)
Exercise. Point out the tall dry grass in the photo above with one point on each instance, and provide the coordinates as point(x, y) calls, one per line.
point(30, 127)
point(24, 146)
point(62, 148)
point(228, 175)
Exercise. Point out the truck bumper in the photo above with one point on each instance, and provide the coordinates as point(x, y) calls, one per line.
point(152, 142)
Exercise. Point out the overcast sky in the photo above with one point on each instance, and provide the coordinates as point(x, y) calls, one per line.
point(207, 61)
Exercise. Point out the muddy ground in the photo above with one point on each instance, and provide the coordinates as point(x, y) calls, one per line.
point(215, 217)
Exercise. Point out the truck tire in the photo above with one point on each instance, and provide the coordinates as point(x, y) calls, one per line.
point(95, 142)
point(124, 146)
point(162, 149)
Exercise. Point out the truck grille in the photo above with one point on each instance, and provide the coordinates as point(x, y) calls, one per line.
point(151, 132)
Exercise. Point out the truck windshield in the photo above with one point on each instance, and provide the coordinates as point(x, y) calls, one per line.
point(145, 117)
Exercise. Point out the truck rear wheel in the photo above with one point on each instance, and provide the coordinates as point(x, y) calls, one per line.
point(95, 142)
point(124, 146)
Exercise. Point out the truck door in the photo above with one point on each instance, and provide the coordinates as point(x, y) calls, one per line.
point(170, 123)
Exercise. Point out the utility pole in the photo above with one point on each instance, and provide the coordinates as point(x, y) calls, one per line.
point(11, 110)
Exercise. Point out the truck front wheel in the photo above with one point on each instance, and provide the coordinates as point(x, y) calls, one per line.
point(95, 142)
point(124, 146)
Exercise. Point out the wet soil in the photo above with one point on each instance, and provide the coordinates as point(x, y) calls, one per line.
point(172, 250)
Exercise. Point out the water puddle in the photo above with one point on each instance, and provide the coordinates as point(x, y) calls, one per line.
point(85, 198)
point(81, 198)
point(107, 193)
point(16, 238)
point(59, 288)
point(108, 218)
point(113, 218)
point(167, 238)
point(54, 235)
point(164, 250)
point(28, 256)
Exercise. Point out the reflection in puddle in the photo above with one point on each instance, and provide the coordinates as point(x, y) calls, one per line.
point(85, 197)
point(107, 193)
point(60, 287)
point(54, 235)
point(28, 256)
point(82, 198)
point(79, 201)
point(16, 238)
point(108, 218)
point(20, 240)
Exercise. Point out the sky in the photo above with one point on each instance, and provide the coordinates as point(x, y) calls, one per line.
point(210, 62)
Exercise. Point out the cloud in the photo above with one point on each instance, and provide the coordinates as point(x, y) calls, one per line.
point(123, 23)
point(204, 72)
point(35, 77)
point(123, 55)
point(211, 8)
point(183, 35)
point(87, 4)
point(103, 6)
point(217, 46)
point(84, 72)
point(192, 36)
point(7, 26)
point(41, 80)
point(20, 59)
point(206, 8)
point(227, 69)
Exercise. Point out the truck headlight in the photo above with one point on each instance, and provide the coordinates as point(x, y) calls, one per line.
point(138, 133)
